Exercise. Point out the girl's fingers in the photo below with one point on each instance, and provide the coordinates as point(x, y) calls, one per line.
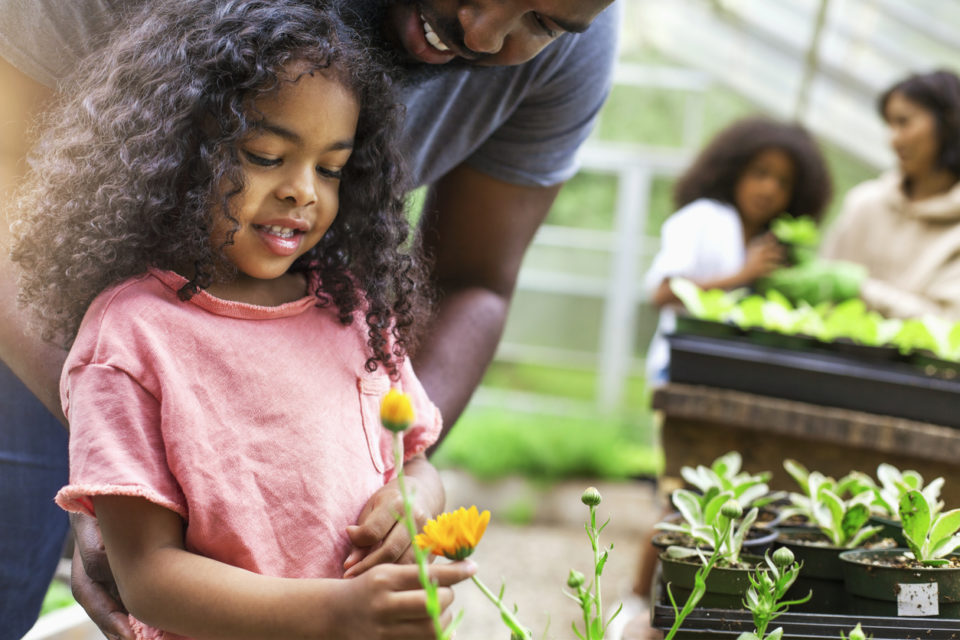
point(445, 575)
point(410, 606)
point(394, 547)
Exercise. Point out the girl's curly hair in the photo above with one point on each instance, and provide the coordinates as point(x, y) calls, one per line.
point(130, 170)
point(717, 169)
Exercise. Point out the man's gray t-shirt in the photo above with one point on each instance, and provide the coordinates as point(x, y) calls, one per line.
point(520, 124)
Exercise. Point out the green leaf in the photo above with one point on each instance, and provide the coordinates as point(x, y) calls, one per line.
point(688, 504)
point(727, 465)
point(854, 518)
point(864, 534)
point(712, 510)
point(776, 634)
point(798, 472)
point(602, 561)
point(945, 547)
point(836, 507)
point(915, 516)
point(945, 525)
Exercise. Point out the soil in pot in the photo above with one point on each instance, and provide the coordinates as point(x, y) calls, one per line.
point(888, 583)
point(726, 586)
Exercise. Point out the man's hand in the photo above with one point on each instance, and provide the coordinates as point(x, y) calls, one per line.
point(379, 537)
point(92, 581)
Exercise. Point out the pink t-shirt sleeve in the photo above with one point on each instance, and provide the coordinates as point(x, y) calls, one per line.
point(116, 441)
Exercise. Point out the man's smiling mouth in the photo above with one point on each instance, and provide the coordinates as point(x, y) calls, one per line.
point(431, 36)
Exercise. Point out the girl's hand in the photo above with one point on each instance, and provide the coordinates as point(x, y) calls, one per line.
point(764, 254)
point(388, 602)
point(378, 537)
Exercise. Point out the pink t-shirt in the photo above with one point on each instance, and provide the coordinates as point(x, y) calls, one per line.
point(258, 425)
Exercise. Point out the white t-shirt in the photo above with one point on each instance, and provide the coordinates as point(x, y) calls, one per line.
point(701, 241)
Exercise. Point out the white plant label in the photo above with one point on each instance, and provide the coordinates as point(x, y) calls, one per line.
point(918, 599)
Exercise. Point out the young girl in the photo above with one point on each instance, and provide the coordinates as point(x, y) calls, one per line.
point(223, 198)
point(751, 172)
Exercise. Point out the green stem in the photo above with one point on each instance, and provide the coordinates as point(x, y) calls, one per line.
point(507, 615)
point(433, 605)
point(594, 542)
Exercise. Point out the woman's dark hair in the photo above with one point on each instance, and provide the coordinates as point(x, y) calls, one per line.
point(717, 169)
point(142, 151)
point(939, 93)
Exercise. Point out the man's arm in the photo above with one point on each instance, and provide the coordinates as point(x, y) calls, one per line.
point(476, 229)
point(36, 363)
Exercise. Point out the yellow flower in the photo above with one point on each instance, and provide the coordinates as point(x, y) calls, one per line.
point(454, 534)
point(396, 411)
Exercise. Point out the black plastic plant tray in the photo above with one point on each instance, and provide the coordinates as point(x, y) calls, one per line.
point(730, 623)
point(827, 379)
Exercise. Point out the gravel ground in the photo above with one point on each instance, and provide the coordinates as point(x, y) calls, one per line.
point(533, 560)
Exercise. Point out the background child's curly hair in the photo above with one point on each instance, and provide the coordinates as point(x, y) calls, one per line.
point(131, 168)
point(717, 169)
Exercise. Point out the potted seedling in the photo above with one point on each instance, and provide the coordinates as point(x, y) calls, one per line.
point(923, 580)
point(707, 311)
point(839, 524)
point(721, 481)
point(893, 484)
point(728, 582)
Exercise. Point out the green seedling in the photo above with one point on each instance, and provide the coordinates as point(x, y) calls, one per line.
point(767, 589)
point(931, 536)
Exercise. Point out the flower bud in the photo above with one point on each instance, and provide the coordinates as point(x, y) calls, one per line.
point(590, 497)
point(857, 633)
point(575, 579)
point(731, 509)
point(783, 557)
point(396, 411)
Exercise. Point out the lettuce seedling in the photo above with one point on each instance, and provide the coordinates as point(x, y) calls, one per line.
point(895, 483)
point(717, 524)
point(714, 305)
point(841, 521)
point(801, 231)
point(724, 474)
point(930, 536)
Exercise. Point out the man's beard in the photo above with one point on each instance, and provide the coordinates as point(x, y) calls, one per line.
point(369, 18)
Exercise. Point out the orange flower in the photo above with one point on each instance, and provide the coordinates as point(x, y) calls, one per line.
point(396, 411)
point(454, 534)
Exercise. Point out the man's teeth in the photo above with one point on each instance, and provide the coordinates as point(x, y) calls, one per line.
point(432, 36)
point(277, 230)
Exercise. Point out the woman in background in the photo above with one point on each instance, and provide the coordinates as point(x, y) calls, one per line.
point(904, 226)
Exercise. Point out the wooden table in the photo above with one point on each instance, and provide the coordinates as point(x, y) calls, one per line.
point(701, 423)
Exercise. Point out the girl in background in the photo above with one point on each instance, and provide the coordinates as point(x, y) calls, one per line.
point(219, 200)
point(751, 172)
point(904, 227)
point(719, 237)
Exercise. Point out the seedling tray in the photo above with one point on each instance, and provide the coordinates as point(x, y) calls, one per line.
point(730, 623)
point(826, 379)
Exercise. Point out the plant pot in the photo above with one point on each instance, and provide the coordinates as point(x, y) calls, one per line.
point(726, 586)
point(878, 589)
point(820, 573)
point(868, 353)
point(699, 327)
point(933, 366)
point(892, 529)
point(793, 342)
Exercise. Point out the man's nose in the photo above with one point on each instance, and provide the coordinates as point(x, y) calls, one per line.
point(486, 25)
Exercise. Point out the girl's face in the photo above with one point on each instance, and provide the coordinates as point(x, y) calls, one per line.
point(765, 187)
point(292, 165)
point(913, 135)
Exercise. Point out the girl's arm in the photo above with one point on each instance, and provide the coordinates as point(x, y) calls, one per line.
point(169, 588)
point(764, 254)
point(378, 522)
